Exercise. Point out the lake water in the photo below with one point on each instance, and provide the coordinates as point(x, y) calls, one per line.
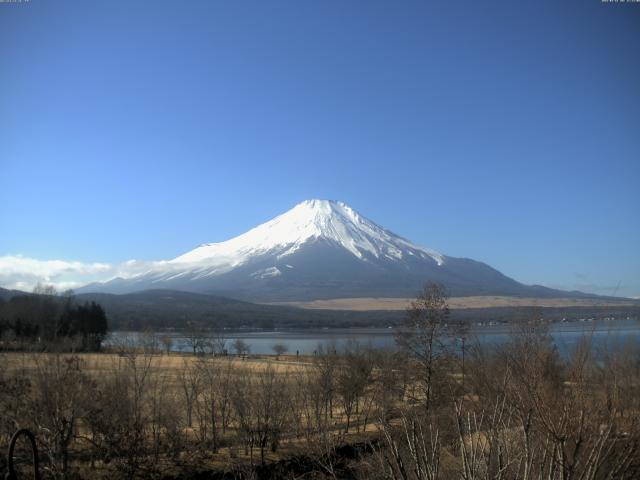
point(612, 334)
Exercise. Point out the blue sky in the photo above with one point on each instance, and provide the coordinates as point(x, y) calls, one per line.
point(507, 132)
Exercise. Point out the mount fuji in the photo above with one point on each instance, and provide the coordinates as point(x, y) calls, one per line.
point(320, 249)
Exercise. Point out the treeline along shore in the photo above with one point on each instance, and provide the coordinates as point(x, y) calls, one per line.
point(45, 319)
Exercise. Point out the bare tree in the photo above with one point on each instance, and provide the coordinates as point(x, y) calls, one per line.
point(62, 391)
point(353, 377)
point(279, 349)
point(263, 409)
point(241, 347)
point(218, 341)
point(149, 342)
point(196, 337)
point(167, 343)
point(326, 364)
point(119, 428)
point(189, 379)
point(423, 336)
point(412, 450)
point(391, 379)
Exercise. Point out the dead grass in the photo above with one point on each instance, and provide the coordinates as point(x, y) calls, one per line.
point(385, 303)
point(172, 364)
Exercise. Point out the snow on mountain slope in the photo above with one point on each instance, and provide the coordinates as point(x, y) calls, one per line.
point(308, 221)
point(317, 250)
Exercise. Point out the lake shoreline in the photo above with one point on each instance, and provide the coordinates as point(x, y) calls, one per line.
point(307, 341)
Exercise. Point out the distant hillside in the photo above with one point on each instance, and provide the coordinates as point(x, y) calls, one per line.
point(171, 309)
point(166, 309)
point(159, 309)
point(8, 294)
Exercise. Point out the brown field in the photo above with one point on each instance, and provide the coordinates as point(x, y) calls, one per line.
point(385, 303)
point(169, 365)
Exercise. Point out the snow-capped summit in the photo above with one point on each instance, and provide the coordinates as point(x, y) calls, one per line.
point(308, 221)
point(317, 250)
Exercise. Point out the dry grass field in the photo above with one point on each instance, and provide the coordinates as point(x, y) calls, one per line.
point(170, 365)
point(384, 303)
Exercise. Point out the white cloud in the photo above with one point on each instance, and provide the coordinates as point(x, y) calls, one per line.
point(23, 273)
